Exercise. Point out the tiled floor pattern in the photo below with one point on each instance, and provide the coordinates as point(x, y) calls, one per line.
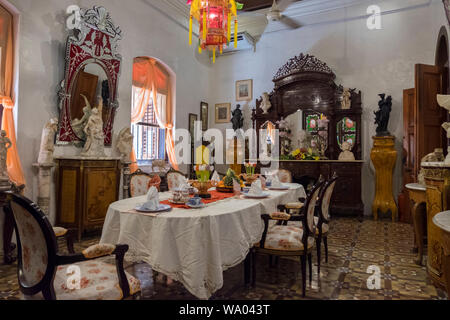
point(353, 247)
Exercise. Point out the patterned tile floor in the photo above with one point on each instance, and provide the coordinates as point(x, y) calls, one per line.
point(353, 247)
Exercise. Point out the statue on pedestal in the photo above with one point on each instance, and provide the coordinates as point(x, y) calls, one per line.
point(125, 143)
point(382, 115)
point(48, 142)
point(346, 154)
point(95, 142)
point(79, 124)
point(237, 120)
point(265, 104)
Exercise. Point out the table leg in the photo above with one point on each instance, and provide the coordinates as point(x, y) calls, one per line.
point(8, 229)
point(418, 230)
point(447, 274)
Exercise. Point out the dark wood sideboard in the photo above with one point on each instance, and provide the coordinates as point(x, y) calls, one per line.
point(85, 189)
point(346, 200)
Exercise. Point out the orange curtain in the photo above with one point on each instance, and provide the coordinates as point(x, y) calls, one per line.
point(148, 80)
point(6, 99)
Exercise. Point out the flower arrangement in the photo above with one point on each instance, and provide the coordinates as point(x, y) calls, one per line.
point(203, 172)
point(250, 168)
point(301, 154)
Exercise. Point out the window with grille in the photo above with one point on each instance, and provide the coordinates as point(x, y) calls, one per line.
point(149, 138)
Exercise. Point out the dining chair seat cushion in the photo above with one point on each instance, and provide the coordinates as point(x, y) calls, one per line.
point(59, 231)
point(325, 227)
point(286, 238)
point(99, 281)
point(294, 205)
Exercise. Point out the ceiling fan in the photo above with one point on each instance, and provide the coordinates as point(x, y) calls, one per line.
point(267, 16)
point(275, 14)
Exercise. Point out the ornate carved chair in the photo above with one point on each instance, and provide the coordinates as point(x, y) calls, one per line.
point(43, 272)
point(287, 240)
point(140, 182)
point(174, 178)
point(322, 220)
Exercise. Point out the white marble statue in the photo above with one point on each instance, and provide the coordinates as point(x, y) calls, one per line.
point(346, 154)
point(265, 104)
point(95, 139)
point(5, 144)
point(79, 124)
point(346, 102)
point(48, 142)
point(444, 102)
point(125, 143)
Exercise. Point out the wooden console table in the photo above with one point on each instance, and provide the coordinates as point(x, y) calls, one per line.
point(85, 189)
point(417, 195)
point(442, 221)
point(437, 179)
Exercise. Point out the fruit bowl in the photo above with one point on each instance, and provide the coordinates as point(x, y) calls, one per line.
point(225, 189)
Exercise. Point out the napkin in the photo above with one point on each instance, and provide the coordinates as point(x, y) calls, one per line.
point(263, 182)
point(152, 199)
point(215, 177)
point(256, 188)
point(276, 182)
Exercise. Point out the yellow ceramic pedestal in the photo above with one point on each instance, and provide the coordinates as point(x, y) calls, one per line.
point(384, 156)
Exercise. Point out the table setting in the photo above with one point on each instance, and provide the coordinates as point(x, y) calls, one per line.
point(195, 241)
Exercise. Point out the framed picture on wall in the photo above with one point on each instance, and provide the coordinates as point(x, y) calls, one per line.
point(244, 90)
point(223, 112)
point(192, 118)
point(204, 115)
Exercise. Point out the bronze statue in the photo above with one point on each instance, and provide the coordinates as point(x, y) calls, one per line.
point(237, 120)
point(382, 115)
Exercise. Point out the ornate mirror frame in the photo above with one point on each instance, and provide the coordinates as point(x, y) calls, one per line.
point(94, 40)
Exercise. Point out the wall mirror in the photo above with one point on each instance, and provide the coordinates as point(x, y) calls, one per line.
point(91, 76)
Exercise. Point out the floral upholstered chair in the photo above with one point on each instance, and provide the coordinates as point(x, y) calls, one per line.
point(44, 273)
point(140, 182)
point(286, 240)
point(174, 179)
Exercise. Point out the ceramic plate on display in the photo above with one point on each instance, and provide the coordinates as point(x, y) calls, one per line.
point(279, 188)
point(161, 208)
point(177, 202)
point(256, 196)
point(196, 206)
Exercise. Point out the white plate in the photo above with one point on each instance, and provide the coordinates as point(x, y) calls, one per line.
point(256, 196)
point(196, 207)
point(161, 208)
point(279, 188)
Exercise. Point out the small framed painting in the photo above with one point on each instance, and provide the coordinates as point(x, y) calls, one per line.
point(204, 115)
point(192, 118)
point(223, 112)
point(244, 90)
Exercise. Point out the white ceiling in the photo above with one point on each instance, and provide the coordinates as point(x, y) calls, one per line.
point(255, 23)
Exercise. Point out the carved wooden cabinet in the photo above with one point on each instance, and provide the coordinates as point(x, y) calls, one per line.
point(308, 85)
point(85, 189)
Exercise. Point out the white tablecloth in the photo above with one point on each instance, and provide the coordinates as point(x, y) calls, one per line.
point(193, 246)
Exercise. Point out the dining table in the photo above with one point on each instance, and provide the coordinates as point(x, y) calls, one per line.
point(194, 246)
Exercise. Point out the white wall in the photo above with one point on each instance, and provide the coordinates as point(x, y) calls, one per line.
point(373, 61)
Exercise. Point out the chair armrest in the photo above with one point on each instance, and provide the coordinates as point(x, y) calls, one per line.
point(91, 254)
